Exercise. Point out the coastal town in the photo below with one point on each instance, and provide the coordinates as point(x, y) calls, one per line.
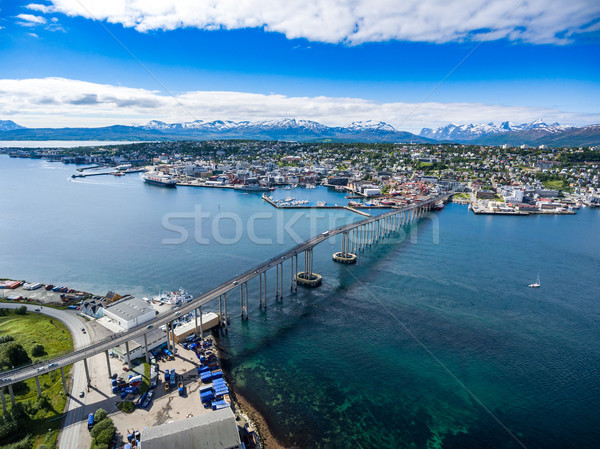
point(491, 180)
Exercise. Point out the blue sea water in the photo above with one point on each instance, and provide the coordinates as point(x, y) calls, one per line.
point(432, 340)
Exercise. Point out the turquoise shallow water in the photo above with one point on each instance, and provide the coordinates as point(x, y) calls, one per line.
point(429, 341)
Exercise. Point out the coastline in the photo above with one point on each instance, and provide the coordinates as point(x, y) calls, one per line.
point(267, 440)
point(248, 411)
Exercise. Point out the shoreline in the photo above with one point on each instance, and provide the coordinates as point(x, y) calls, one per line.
point(247, 410)
point(267, 439)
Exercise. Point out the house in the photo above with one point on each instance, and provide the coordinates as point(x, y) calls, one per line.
point(92, 308)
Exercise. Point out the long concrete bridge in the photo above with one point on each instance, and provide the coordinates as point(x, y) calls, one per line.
point(355, 238)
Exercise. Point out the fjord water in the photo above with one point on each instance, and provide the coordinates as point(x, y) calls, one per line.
point(433, 340)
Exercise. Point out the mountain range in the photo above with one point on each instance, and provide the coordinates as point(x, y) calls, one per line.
point(534, 133)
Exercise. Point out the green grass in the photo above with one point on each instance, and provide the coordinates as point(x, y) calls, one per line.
point(29, 330)
point(35, 328)
point(556, 184)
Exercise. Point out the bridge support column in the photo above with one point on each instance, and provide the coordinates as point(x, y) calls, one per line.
point(64, 381)
point(107, 365)
point(344, 256)
point(12, 395)
point(196, 320)
point(307, 278)
point(226, 317)
point(146, 348)
point(129, 358)
point(201, 325)
point(281, 282)
point(3, 400)
point(220, 312)
point(276, 282)
point(37, 384)
point(87, 371)
point(260, 291)
point(169, 346)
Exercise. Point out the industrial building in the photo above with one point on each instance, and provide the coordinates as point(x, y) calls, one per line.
point(214, 430)
point(129, 312)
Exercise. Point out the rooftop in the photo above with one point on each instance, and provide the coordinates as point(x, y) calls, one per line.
point(215, 430)
point(129, 308)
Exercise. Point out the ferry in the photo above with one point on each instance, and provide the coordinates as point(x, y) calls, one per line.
point(159, 179)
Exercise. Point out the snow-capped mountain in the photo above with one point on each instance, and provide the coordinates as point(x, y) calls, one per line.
point(9, 125)
point(370, 125)
point(475, 131)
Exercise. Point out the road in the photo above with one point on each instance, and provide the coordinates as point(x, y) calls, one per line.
point(87, 350)
point(76, 411)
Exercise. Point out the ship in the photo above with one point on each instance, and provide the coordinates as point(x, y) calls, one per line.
point(173, 298)
point(252, 185)
point(439, 205)
point(159, 179)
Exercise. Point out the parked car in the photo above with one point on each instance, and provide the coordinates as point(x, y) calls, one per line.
point(81, 394)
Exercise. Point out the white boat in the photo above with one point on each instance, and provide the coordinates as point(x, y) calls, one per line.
point(289, 199)
point(174, 298)
point(321, 203)
point(537, 284)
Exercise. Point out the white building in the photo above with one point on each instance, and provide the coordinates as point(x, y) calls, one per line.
point(129, 313)
point(137, 349)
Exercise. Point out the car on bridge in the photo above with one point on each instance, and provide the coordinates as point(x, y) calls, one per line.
point(52, 365)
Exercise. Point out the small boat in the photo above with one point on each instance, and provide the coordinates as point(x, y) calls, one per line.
point(321, 203)
point(537, 284)
point(439, 205)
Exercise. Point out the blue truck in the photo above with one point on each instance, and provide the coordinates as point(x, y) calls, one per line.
point(90, 421)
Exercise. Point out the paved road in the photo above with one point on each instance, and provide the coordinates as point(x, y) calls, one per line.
point(69, 435)
point(88, 350)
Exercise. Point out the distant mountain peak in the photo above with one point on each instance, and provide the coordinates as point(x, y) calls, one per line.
point(9, 125)
point(475, 131)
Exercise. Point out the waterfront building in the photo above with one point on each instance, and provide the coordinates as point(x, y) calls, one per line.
point(215, 430)
point(129, 313)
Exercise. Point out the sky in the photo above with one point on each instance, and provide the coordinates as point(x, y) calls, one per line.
point(410, 63)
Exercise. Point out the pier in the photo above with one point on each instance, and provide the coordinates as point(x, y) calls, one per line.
point(356, 237)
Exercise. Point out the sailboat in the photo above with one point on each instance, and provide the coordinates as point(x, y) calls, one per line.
point(536, 284)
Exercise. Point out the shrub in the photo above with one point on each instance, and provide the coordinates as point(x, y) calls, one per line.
point(126, 406)
point(21, 310)
point(4, 312)
point(101, 426)
point(105, 436)
point(6, 338)
point(100, 415)
point(38, 350)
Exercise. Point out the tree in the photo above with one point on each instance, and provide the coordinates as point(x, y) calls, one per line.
point(38, 350)
point(100, 415)
point(21, 310)
point(14, 355)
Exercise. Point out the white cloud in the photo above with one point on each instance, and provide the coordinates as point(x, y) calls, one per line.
point(354, 21)
point(59, 102)
point(33, 35)
point(31, 19)
point(38, 7)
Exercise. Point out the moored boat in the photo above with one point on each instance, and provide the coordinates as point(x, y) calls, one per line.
point(159, 179)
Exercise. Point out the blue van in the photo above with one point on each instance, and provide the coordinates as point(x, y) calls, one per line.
point(90, 421)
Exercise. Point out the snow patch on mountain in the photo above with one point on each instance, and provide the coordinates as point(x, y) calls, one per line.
point(9, 125)
point(472, 131)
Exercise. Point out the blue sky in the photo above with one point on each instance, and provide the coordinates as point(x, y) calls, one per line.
point(83, 63)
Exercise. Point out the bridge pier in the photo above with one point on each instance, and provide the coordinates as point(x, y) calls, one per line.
point(12, 395)
point(307, 278)
point(3, 400)
point(146, 348)
point(244, 300)
point(129, 358)
point(201, 325)
point(225, 318)
point(87, 371)
point(37, 384)
point(276, 282)
point(345, 256)
point(107, 365)
point(196, 320)
point(64, 382)
point(220, 312)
